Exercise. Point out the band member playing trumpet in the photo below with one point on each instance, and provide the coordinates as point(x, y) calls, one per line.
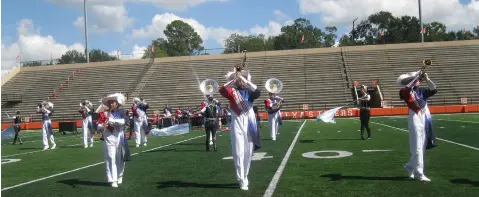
point(112, 126)
point(46, 109)
point(241, 93)
point(419, 123)
point(364, 111)
point(87, 126)
point(273, 105)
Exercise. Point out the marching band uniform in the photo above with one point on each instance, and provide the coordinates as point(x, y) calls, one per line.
point(140, 119)
point(419, 122)
point(244, 133)
point(46, 109)
point(112, 125)
point(210, 113)
point(85, 111)
point(365, 112)
point(17, 127)
point(273, 116)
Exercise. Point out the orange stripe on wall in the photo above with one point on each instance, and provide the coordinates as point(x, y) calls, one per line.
point(351, 112)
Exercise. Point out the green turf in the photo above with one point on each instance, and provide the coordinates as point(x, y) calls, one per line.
point(186, 169)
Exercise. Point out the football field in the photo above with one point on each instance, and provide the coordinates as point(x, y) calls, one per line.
point(290, 166)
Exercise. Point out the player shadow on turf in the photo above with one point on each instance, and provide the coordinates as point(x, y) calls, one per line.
point(343, 139)
point(465, 181)
point(307, 141)
point(176, 150)
point(30, 149)
point(74, 182)
point(167, 184)
point(337, 177)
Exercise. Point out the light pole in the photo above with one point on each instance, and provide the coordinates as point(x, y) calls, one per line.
point(420, 21)
point(353, 32)
point(86, 33)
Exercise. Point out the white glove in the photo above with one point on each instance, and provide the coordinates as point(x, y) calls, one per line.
point(426, 77)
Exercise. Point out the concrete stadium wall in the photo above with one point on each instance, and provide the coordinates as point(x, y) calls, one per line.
point(10, 75)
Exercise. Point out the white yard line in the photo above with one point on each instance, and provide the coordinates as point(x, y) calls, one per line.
point(84, 167)
point(465, 121)
point(463, 145)
point(272, 185)
point(34, 151)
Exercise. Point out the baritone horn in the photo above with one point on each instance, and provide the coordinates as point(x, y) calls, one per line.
point(274, 85)
point(209, 86)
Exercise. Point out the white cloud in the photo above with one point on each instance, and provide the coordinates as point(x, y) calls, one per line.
point(160, 21)
point(137, 53)
point(343, 12)
point(178, 5)
point(280, 16)
point(105, 18)
point(219, 34)
point(32, 46)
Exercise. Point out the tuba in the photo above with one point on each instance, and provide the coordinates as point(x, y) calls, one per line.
point(274, 85)
point(209, 86)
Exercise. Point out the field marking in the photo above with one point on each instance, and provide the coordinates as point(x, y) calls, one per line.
point(84, 167)
point(457, 121)
point(272, 185)
point(367, 151)
point(35, 151)
point(463, 145)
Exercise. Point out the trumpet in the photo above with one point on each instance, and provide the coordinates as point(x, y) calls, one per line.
point(426, 64)
point(209, 87)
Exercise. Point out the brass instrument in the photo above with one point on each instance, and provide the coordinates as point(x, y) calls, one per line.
point(426, 64)
point(240, 68)
point(274, 86)
point(209, 87)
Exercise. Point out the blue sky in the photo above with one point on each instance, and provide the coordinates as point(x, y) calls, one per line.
point(47, 28)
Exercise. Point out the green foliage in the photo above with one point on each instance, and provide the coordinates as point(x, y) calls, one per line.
point(249, 43)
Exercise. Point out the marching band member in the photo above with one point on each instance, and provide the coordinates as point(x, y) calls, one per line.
point(17, 127)
point(112, 126)
point(419, 123)
point(210, 113)
point(140, 119)
point(241, 93)
point(273, 105)
point(85, 111)
point(365, 111)
point(46, 109)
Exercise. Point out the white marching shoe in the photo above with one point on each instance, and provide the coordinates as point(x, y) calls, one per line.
point(114, 184)
point(244, 185)
point(409, 171)
point(91, 145)
point(423, 178)
point(120, 180)
point(86, 146)
point(54, 145)
point(45, 148)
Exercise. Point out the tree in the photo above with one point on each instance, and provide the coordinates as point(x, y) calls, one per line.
point(97, 55)
point(32, 63)
point(476, 31)
point(330, 37)
point(291, 36)
point(249, 43)
point(161, 47)
point(72, 57)
point(182, 39)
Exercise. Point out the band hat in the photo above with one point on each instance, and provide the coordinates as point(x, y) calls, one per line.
point(83, 103)
point(231, 75)
point(118, 97)
point(47, 104)
point(405, 79)
point(136, 100)
point(101, 108)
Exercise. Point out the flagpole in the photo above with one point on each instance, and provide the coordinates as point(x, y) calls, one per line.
point(86, 33)
point(420, 21)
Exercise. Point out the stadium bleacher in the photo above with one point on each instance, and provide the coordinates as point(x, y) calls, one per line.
point(321, 78)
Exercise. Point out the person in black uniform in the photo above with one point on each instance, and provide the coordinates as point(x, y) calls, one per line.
point(210, 113)
point(16, 127)
point(365, 111)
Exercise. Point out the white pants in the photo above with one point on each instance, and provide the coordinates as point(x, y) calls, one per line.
point(87, 133)
point(273, 124)
point(112, 147)
point(242, 147)
point(417, 141)
point(140, 137)
point(47, 133)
